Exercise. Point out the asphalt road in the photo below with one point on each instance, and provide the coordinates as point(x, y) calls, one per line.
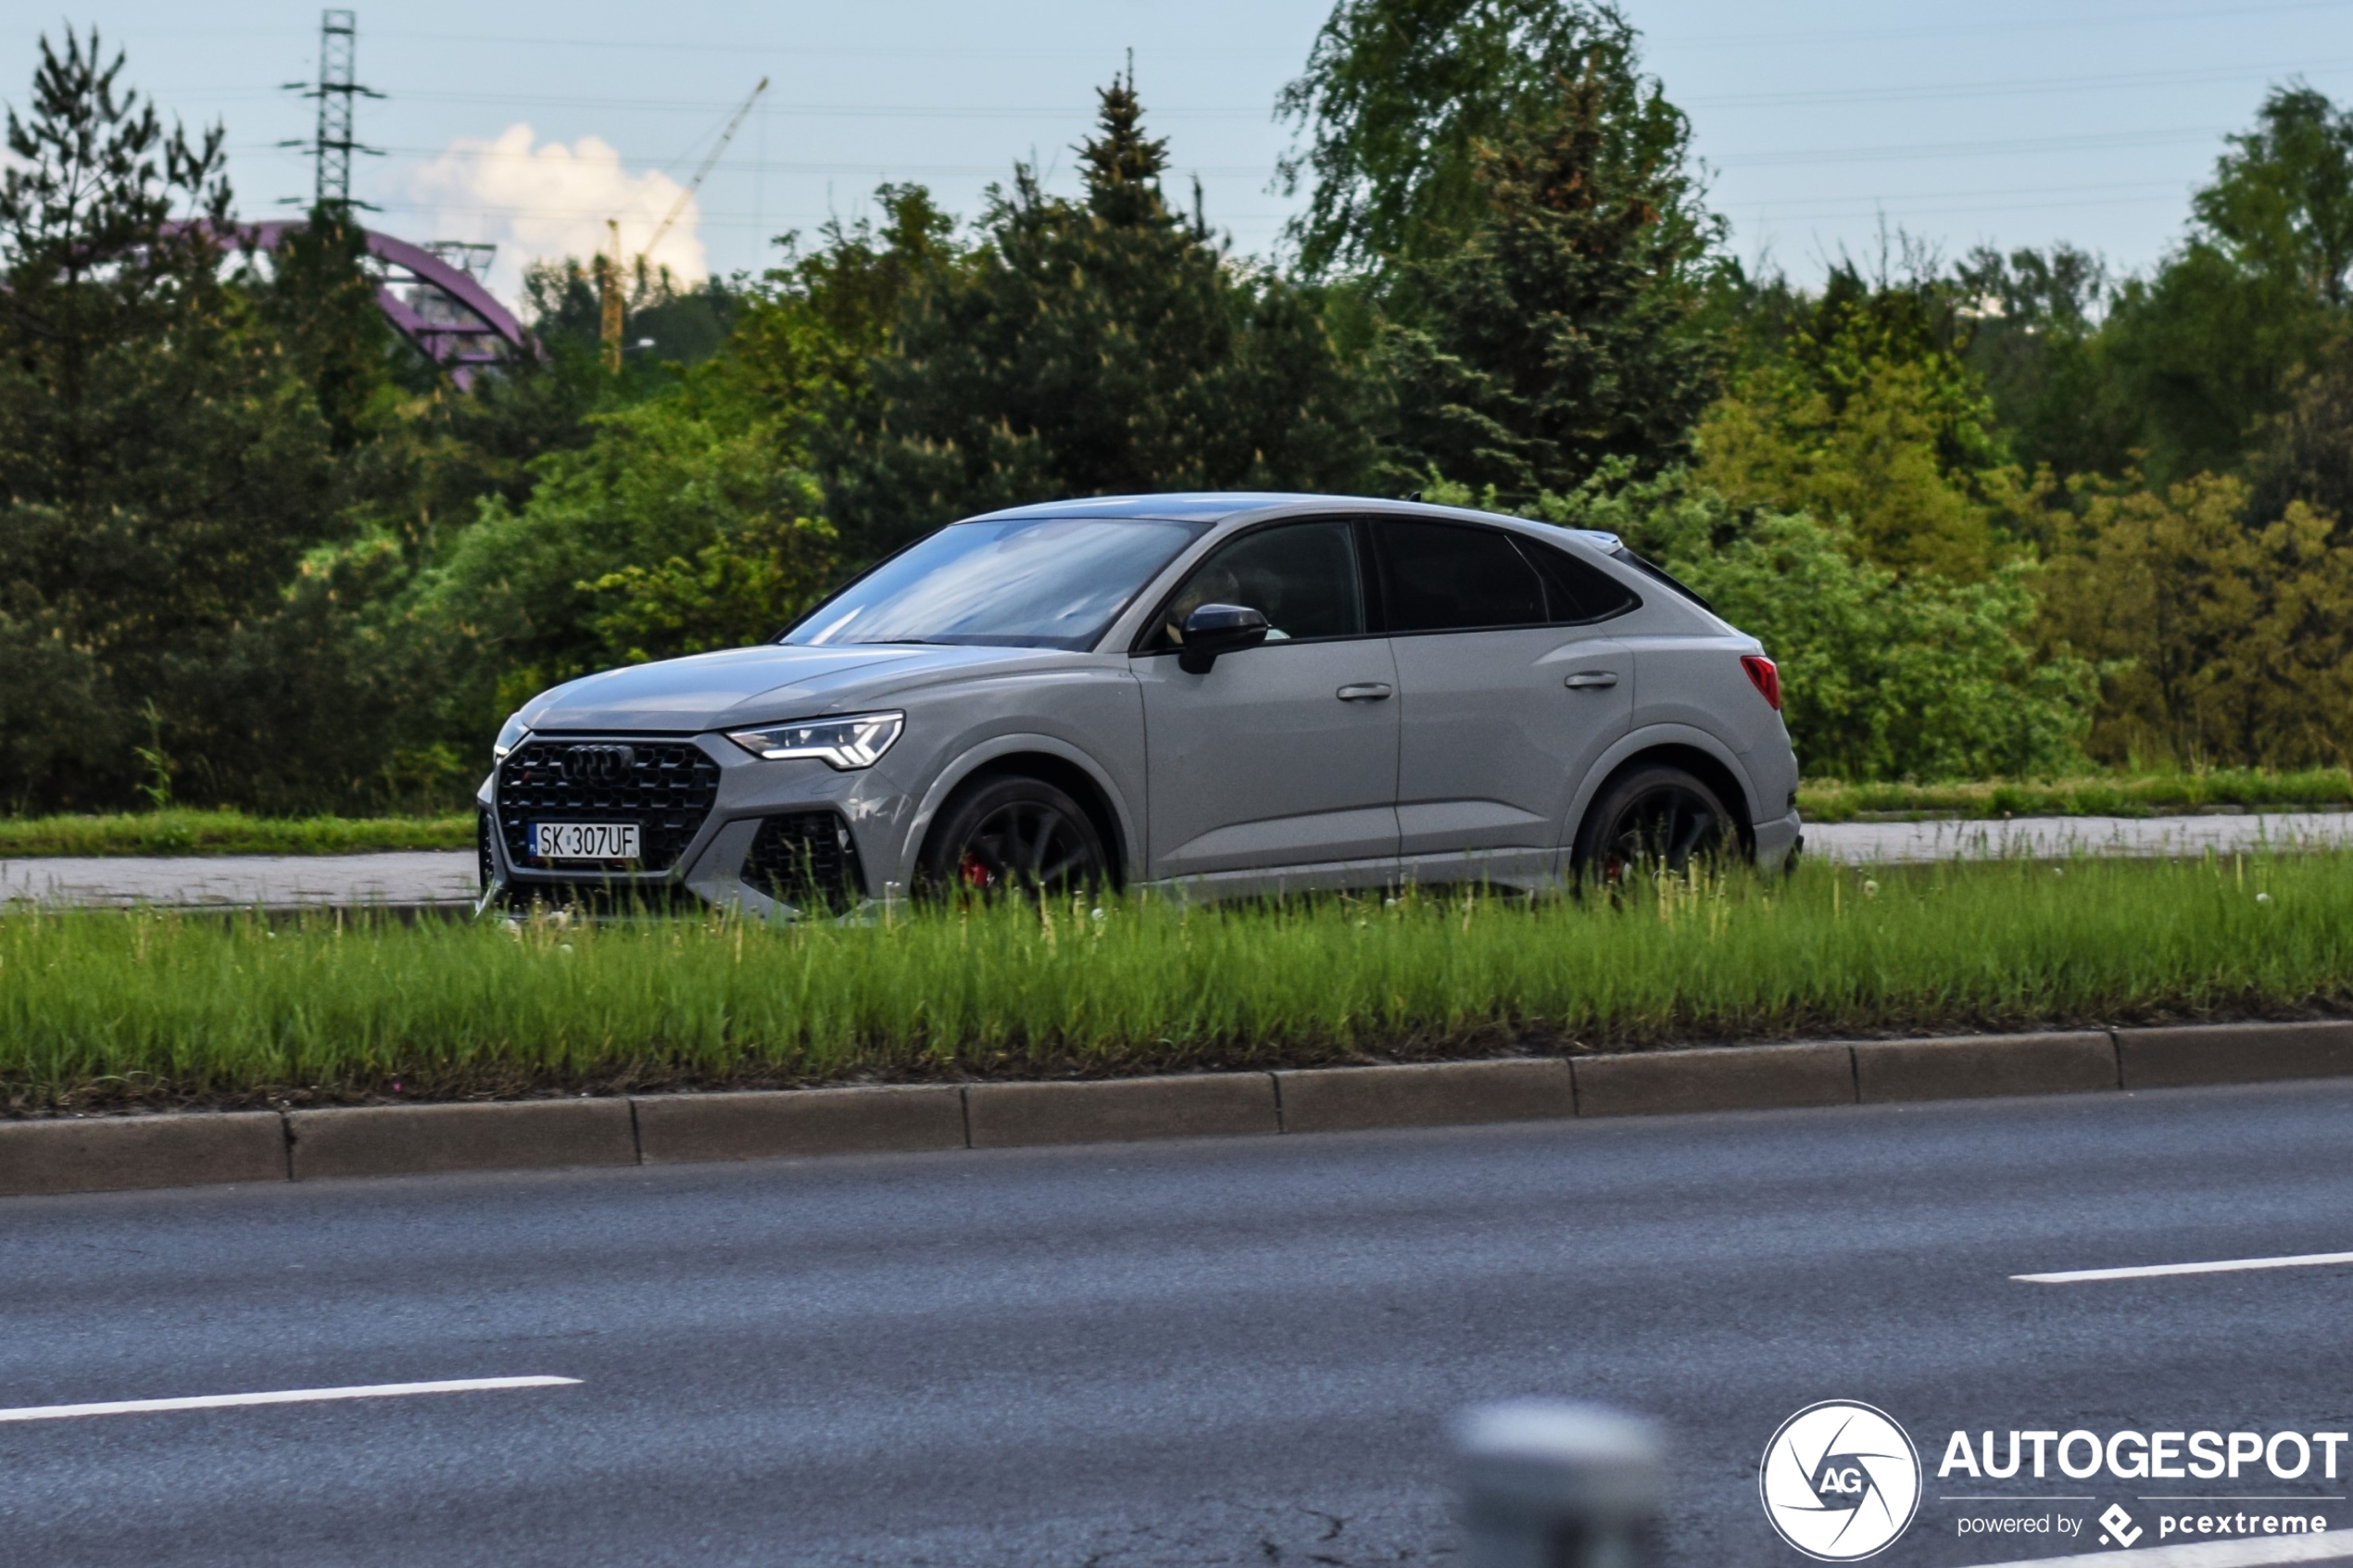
point(449, 878)
point(1204, 1353)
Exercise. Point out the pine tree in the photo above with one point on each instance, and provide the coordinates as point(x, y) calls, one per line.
point(1100, 347)
point(322, 303)
point(162, 466)
point(1564, 334)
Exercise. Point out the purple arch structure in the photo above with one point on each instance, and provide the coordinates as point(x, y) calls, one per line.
point(451, 318)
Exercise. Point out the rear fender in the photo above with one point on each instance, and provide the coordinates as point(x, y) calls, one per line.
point(1652, 737)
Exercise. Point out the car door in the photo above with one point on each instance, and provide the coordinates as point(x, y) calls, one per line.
point(1509, 689)
point(1282, 755)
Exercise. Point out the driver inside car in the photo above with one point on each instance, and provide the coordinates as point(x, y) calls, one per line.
point(1216, 584)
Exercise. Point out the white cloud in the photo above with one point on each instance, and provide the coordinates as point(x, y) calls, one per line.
point(539, 202)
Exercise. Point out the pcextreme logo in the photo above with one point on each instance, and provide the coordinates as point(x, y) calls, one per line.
point(1840, 1481)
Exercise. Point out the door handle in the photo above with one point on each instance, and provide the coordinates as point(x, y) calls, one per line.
point(1585, 679)
point(1367, 691)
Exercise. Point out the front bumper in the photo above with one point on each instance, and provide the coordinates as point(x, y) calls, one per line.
point(775, 839)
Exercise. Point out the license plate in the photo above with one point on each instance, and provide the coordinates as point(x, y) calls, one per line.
point(584, 841)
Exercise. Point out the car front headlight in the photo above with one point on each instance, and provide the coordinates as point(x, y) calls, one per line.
point(847, 744)
point(510, 736)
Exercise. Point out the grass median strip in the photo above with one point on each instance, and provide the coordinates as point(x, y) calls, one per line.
point(100, 1009)
point(226, 833)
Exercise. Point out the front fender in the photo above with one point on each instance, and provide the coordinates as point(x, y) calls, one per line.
point(1124, 813)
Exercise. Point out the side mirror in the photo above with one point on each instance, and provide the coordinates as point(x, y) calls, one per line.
point(1214, 629)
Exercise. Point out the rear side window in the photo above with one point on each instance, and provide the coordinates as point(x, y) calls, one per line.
point(1576, 593)
point(1451, 577)
point(1657, 573)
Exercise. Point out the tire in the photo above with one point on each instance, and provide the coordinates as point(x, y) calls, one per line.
point(1655, 816)
point(1013, 835)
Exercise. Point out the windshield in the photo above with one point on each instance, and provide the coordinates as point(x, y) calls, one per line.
point(1034, 582)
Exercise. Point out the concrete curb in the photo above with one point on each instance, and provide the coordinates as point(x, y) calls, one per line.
point(110, 1153)
point(1437, 1094)
point(400, 1140)
point(107, 1153)
point(1727, 1078)
point(2234, 1053)
point(1973, 1066)
point(884, 1120)
point(1116, 1109)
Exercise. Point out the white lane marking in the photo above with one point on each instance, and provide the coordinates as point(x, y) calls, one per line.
point(281, 1397)
point(2334, 1547)
point(2227, 1266)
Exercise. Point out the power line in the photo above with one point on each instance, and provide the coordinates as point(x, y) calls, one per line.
point(2132, 18)
point(2023, 87)
point(2041, 24)
point(744, 166)
point(709, 106)
point(2093, 142)
point(2026, 88)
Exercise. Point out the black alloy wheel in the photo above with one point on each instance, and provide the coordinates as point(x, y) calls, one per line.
point(1654, 819)
point(1014, 835)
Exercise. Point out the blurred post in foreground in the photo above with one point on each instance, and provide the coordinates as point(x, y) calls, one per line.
point(1547, 1485)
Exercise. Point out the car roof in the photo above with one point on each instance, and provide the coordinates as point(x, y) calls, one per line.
point(1214, 507)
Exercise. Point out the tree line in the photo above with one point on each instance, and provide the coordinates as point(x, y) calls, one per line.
point(2008, 514)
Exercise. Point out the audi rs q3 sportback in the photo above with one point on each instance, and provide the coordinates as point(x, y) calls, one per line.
point(1231, 692)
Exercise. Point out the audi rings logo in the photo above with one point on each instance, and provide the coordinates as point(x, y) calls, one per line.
point(599, 764)
point(1840, 1481)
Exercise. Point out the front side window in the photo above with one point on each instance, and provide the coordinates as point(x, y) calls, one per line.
point(1300, 576)
point(1453, 577)
point(1038, 582)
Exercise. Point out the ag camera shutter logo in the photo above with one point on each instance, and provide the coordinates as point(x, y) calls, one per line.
point(1840, 1481)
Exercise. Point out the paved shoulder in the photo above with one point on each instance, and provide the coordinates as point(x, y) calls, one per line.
point(2048, 837)
point(419, 877)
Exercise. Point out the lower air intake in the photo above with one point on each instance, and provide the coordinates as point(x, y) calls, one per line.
point(806, 860)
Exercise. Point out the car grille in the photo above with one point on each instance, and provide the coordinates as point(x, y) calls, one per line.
point(666, 787)
point(805, 858)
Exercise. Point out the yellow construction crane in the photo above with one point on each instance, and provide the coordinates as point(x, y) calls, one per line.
point(612, 272)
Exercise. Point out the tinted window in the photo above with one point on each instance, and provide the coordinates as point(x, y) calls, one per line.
point(1302, 577)
point(1653, 570)
point(1445, 577)
point(1052, 583)
point(1573, 591)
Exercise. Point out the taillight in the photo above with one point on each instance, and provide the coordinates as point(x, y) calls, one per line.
point(1765, 676)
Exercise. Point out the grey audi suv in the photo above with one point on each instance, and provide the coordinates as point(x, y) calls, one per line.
point(1227, 693)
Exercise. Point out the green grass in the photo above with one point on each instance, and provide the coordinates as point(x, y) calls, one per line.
point(110, 1008)
point(227, 832)
point(2109, 795)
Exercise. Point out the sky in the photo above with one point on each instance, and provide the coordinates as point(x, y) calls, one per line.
point(1824, 125)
